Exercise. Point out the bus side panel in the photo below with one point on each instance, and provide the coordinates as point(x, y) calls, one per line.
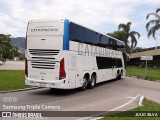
point(104, 75)
point(88, 63)
point(76, 63)
point(114, 73)
point(79, 77)
point(71, 78)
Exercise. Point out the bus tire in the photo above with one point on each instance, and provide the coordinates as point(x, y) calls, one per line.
point(118, 75)
point(92, 82)
point(85, 83)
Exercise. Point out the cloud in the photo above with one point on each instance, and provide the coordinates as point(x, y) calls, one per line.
point(91, 13)
point(146, 43)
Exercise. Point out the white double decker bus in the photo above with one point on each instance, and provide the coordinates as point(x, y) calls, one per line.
point(65, 55)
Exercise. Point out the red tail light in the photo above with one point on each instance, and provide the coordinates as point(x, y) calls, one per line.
point(62, 73)
point(26, 68)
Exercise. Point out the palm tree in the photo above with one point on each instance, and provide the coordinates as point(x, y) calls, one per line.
point(154, 22)
point(129, 34)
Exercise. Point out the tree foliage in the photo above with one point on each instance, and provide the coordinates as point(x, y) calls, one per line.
point(6, 49)
point(126, 35)
point(129, 34)
point(154, 24)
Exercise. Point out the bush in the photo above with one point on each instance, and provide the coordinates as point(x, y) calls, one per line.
point(22, 57)
point(142, 65)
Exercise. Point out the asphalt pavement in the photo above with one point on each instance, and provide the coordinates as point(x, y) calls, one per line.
point(105, 96)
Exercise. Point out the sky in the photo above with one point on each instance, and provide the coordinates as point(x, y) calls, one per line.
point(103, 16)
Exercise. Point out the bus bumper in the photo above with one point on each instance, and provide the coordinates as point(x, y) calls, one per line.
point(48, 84)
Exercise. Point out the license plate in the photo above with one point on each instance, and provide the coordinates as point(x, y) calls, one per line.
point(41, 84)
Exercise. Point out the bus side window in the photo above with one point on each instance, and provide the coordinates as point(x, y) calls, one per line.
point(121, 46)
point(96, 38)
point(110, 43)
point(119, 63)
point(114, 45)
point(88, 36)
point(76, 32)
point(104, 41)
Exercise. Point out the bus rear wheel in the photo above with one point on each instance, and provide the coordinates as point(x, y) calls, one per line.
point(85, 83)
point(92, 82)
point(118, 75)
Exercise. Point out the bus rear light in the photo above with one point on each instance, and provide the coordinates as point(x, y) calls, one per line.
point(62, 73)
point(26, 68)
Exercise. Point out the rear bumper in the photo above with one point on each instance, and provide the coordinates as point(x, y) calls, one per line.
point(49, 84)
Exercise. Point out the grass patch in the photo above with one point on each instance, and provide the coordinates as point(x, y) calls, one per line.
point(147, 106)
point(12, 80)
point(151, 73)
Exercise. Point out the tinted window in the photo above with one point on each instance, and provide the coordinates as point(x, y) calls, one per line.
point(81, 34)
point(114, 62)
point(119, 63)
point(76, 32)
point(97, 37)
point(121, 46)
point(104, 62)
point(88, 36)
point(114, 44)
point(110, 43)
point(104, 41)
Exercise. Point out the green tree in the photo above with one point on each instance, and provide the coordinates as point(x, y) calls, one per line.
point(129, 34)
point(125, 34)
point(154, 24)
point(6, 49)
point(13, 52)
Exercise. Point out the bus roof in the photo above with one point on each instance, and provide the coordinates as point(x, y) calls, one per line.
point(96, 31)
point(62, 20)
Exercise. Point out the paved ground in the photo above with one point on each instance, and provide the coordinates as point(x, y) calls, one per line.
point(104, 97)
point(12, 65)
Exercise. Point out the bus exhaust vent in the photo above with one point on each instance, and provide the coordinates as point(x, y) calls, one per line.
point(43, 64)
point(43, 52)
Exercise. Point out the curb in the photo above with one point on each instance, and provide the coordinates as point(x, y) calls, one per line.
point(142, 78)
point(153, 100)
point(2, 92)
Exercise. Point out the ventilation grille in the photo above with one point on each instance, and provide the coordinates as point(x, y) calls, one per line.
point(43, 52)
point(43, 64)
point(43, 58)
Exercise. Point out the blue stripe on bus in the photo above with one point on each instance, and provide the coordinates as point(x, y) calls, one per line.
point(66, 35)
